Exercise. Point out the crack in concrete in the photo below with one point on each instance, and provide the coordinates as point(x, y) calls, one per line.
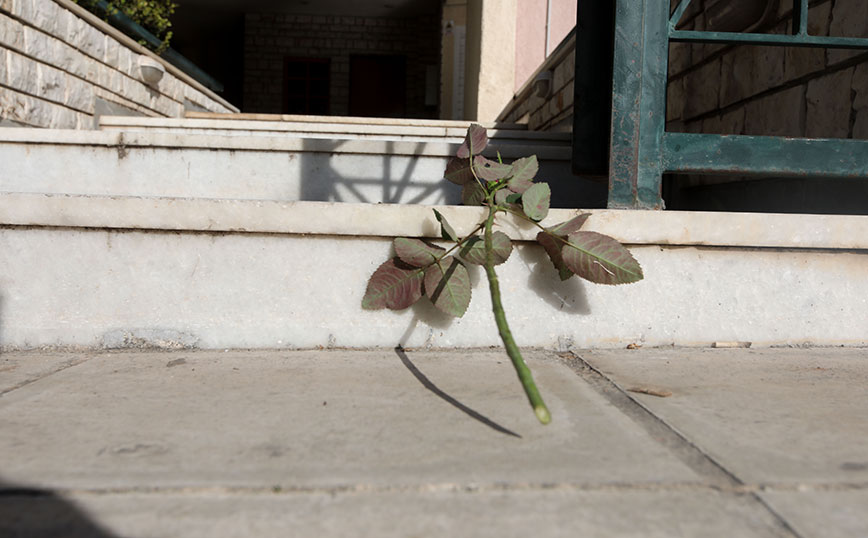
point(447, 487)
point(65, 366)
point(673, 440)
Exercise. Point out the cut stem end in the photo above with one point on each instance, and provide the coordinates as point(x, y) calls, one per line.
point(542, 413)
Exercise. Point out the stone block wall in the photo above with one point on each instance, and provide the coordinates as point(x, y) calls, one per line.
point(782, 91)
point(554, 111)
point(61, 67)
point(272, 37)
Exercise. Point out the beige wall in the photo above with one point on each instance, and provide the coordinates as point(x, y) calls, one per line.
point(505, 45)
point(541, 25)
point(530, 39)
point(490, 60)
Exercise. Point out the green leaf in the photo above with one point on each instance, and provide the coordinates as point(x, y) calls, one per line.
point(513, 198)
point(600, 258)
point(416, 252)
point(490, 170)
point(474, 142)
point(458, 171)
point(535, 201)
point(447, 284)
point(473, 250)
point(473, 194)
point(570, 226)
point(553, 246)
point(393, 285)
point(500, 196)
point(446, 231)
point(523, 172)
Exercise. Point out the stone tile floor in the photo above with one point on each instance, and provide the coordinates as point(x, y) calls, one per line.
point(645, 443)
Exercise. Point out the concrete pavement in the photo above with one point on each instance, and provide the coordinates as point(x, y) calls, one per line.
point(660, 442)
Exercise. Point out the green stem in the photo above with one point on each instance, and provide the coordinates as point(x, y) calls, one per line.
point(512, 350)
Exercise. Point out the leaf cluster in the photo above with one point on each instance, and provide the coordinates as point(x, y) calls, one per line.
point(423, 269)
point(152, 15)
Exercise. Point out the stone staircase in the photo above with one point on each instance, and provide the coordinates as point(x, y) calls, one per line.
point(260, 232)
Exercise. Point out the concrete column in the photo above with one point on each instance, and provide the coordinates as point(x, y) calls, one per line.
point(490, 58)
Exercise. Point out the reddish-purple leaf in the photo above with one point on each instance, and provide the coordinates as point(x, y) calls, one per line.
point(473, 250)
point(600, 258)
point(552, 246)
point(458, 171)
point(474, 142)
point(473, 194)
point(416, 252)
point(523, 172)
point(393, 285)
point(571, 226)
point(490, 170)
point(535, 201)
point(447, 284)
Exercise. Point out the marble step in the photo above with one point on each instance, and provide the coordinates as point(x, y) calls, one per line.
point(332, 129)
point(117, 271)
point(124, 163)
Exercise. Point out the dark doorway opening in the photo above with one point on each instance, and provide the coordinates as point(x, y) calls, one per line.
point(306, 86)
point(378, 86)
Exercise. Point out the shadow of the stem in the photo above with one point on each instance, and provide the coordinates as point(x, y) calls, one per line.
point(449, 399)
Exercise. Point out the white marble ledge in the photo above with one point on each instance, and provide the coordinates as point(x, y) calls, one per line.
point(672, 228)
point(179, 141)
point(350, 119)
point(128, 122)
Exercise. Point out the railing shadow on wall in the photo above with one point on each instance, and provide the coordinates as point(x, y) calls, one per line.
point(330, 173)
point(411, 172)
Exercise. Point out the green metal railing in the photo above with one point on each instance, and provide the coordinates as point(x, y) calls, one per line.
point(641, 150)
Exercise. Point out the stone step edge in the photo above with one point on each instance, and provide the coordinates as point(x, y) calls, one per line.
point(665, 228)
point(121, 122)
point(129, 139)
point(350, 119)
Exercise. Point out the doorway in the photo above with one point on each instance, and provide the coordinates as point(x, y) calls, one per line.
point(378, 86)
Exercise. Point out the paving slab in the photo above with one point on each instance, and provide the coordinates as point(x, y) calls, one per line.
point(826, 514)
point(771, 416)
point(317, 419)
point(428, 443)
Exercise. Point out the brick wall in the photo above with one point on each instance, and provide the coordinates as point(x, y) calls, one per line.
point(271, 37)
point(778, 91)
point(60, 67)
point(783, 91)
point(555, 110)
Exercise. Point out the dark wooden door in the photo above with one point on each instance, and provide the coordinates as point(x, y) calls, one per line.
point(378, 86)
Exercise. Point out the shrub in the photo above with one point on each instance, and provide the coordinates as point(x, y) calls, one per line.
point(152, 15)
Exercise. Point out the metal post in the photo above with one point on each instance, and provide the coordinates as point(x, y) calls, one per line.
point(639, 103)
point(800, 17)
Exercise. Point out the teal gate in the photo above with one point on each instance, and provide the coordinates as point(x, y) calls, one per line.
point(634, 35)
